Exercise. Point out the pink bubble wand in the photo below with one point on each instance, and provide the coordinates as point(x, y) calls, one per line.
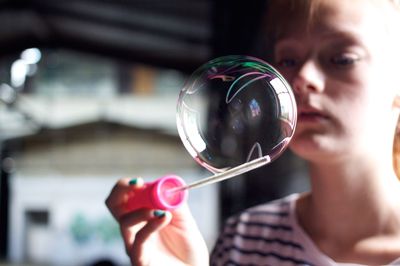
point(170, 192)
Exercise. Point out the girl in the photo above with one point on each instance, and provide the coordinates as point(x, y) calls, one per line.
point(341, 59)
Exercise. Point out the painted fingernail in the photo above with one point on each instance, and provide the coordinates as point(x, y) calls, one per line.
point(133, 182)
point(159, 213)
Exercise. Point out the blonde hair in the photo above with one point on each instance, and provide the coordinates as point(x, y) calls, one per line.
point(309, 12)
point(305, 11)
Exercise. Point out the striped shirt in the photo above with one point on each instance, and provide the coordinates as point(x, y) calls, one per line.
point(269, 235)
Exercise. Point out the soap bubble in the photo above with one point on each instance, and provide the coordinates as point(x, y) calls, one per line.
point(235, 109)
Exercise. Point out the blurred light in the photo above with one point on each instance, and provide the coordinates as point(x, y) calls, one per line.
point(7, 94)
point(31, 55)
point(19, 69)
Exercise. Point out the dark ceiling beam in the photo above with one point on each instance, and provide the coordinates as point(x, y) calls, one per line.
point(127, 30)
point(133, 17)
point(17, 23)
point(21, 29)
point(126, 41)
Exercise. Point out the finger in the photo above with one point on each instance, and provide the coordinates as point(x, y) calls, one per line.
point(131, 219)
point(182, 216)
point(159, 221)
point(131, 223)
point(183, 220)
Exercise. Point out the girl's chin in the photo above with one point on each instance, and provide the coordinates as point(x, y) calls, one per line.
point(314, 149)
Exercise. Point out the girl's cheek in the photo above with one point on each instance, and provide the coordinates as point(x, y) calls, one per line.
point(287, 74)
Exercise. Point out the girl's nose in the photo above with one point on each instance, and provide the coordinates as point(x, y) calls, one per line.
point(309, 79)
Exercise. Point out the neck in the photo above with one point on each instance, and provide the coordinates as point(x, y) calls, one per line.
point(343, 190)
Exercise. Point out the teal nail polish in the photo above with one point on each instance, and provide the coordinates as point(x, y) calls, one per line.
point(133, 181)
point(159, 213)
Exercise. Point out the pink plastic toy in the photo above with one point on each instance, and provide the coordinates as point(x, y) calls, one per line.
point(159, 194)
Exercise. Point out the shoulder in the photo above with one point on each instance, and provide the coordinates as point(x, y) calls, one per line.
point(264, 232)
point(275, 212)
point(272, 215)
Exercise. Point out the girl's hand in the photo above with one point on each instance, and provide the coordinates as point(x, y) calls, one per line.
point(154, 237)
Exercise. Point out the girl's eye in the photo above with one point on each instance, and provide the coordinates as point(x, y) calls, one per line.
point(287, 62)
point(344, 60)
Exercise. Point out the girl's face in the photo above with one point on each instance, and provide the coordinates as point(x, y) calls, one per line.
point(344, 71)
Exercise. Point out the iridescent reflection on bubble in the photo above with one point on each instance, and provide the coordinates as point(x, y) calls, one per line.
point(235, 109)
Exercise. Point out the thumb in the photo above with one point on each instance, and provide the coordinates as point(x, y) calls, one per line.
point(182, 218)
point(182, 215)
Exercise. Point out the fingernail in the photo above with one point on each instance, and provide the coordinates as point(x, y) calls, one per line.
point(159, 213)
point(133, 181)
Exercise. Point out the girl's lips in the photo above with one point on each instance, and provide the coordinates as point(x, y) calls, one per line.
point(311, 115)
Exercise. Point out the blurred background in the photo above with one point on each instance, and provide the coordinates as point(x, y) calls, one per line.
point(88, 93)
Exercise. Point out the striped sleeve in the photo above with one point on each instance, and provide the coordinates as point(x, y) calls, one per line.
point(263, 235)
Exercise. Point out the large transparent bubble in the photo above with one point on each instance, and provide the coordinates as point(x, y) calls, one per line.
point(233, 110)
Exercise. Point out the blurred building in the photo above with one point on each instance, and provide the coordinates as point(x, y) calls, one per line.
point(75, 129)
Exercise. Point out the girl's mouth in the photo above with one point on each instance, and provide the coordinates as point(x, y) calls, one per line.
point(311, 116)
